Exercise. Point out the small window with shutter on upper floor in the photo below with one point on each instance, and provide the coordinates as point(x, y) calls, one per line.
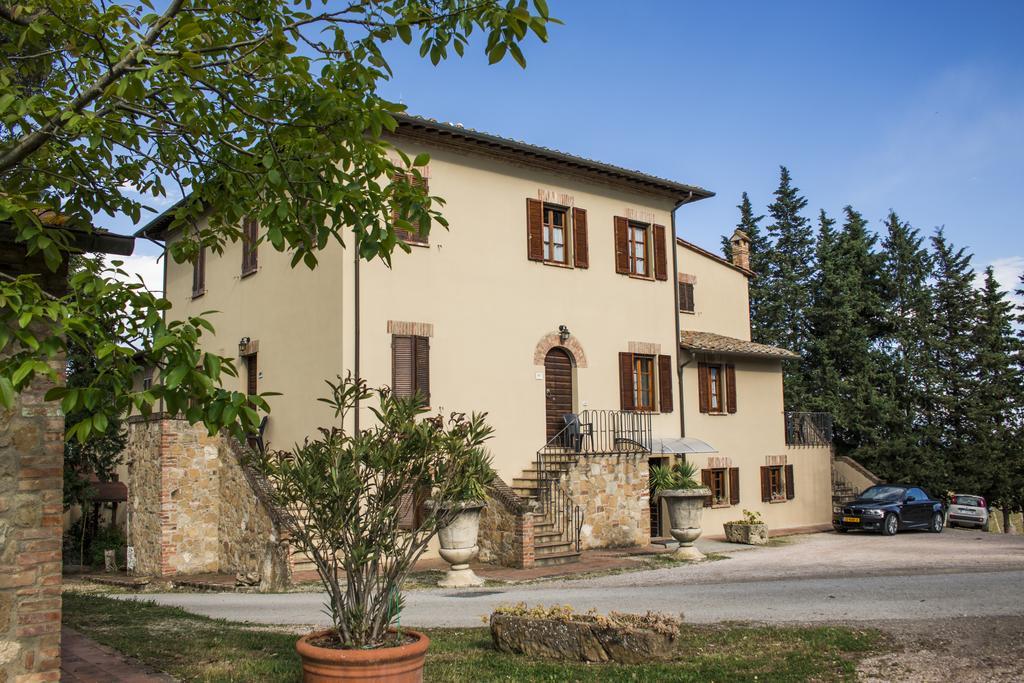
point(716, 385)
point(556, 235)
point(411, 236)
point(250, 237)
point(640, 249)
point(410, 366)
point(686, 297)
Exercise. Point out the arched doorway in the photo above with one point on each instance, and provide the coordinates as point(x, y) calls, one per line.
point(558, 389)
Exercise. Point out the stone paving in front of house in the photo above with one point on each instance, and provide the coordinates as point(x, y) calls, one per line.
point(83, 660)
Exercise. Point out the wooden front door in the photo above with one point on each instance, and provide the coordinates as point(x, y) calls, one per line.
point(557, 389)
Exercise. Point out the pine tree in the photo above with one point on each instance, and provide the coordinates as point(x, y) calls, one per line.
point(907, 299)
point(759, 247)
point(995, 468)
point(951, 375)
point(788, 271)
point(842, 369)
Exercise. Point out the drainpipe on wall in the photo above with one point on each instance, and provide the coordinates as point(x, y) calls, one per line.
point(675, 313)
point(355, 327)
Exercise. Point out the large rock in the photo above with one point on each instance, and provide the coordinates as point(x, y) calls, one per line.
point(583, 638)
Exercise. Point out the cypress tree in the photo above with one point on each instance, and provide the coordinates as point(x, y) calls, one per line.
point(788, 271)
point(995, 469)
point(759, 247)
point(845, 316)
point(907, 300)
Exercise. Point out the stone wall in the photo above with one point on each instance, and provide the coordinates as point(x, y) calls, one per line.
point(506, 529)
point(31, 514)
point(192, 508)
point(614, 494)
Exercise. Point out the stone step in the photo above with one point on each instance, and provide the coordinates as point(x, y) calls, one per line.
point(546, 536)
point(552, 548)
point(524, 492)
point(556, 558)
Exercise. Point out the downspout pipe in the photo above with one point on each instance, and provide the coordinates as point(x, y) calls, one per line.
point(675, 314)
point(356, 330)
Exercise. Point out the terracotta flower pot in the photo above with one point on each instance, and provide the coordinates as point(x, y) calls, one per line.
point(401, 664)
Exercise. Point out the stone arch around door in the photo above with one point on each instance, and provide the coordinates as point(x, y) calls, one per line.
point(551, 341)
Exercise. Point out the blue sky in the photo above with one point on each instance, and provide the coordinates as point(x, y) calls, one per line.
point(916, 106)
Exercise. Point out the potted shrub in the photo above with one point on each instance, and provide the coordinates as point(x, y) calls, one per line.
point(341, 495)
point(458, 538)
point(685, 499)
point(750, 530)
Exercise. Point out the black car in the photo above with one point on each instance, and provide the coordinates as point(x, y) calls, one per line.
point(889, 508)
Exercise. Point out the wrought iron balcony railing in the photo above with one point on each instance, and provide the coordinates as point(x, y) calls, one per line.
point(808, 429)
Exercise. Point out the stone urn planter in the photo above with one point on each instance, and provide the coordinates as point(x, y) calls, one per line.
point(750, 534)
point(459, 545)
point(685, 509)
point(399, 664)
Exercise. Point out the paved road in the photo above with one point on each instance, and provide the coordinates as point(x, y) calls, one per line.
point(825, 577)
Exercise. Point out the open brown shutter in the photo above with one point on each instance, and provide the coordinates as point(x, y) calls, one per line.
point(580, 245)
point(423, 367)
point(789, 482)
point(621, 245)
point(665, 384)
point(704, 401)
point(626, 401)
point(249, 236)
point(730, 388)
point(705, 478)
point(402, 360)
point(766, 486)
point(199, 273)
point(534, 230)
point(660, 254)
point(734, 486)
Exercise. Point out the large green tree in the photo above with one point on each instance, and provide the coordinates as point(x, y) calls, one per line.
point(267, 108)
point(759, 246)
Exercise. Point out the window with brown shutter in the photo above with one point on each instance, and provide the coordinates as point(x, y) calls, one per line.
point(790, 489)
point(199, 273)
point(705, 479)
point(251, 375)
point(639, 249)
point(410, 366)
point(626, 396)
point(660, 253)
point(734, 486)
point(555, 234)
point(580, 244)
point(766, 491)
point(773, 485)
point(250, 237)
point(534, 229)
point(621, 245)
point(730, 388)
point(686, 297)
point(410, 236)
point(665, 384)
point(412, 510)
point(702, 387)
point(643, 382)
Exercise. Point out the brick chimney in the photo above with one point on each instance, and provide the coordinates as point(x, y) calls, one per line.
point(740, 249)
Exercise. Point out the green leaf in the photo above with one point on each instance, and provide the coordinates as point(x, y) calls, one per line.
point(496, 54)
point(404, 32)
point(6, 393)
point(422, 159)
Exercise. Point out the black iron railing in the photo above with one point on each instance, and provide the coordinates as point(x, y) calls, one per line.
point(591, 432)
point(808, 429)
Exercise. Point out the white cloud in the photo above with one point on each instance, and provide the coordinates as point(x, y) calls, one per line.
point(1007, 272)
point(148, 267)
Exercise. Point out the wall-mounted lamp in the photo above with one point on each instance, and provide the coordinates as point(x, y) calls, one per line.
point(563, 333)
point(243, 342)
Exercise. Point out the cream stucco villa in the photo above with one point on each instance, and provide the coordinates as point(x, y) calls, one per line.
point(560, 303)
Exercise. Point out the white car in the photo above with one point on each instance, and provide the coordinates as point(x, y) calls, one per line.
point(968, 510)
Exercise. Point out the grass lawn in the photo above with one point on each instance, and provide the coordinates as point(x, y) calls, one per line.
point(196, 648)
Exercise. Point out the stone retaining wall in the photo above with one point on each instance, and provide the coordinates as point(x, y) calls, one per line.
point(614, 494)
point(506, 530)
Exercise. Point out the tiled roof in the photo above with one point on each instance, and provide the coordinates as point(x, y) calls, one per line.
point(717, 343)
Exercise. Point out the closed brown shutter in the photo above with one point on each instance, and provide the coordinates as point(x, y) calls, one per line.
point(423, 367)
point(250, 234)
point(686, 297)
point(199, 273)
point(580, 245)
point(665, 384)
point(660, 254)
point(730, 388)
point(766, 487)
point(411, 236)
point(621, 245)
point(403, 382)
point(789, 483)
point(407, 512)
point(704, 401)
point(705, 478)
point(251, 375)
point(626, 397)
point(534, 230)
point(734, 486)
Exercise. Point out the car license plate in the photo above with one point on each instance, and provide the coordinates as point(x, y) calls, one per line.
point(852, 520)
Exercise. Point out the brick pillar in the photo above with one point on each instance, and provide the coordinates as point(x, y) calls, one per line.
point(31, 480)
point(524, 540)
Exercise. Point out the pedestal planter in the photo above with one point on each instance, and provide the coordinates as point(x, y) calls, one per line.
point(750, 534)
point(685, 509)
point(459, 545)
point(399, 664)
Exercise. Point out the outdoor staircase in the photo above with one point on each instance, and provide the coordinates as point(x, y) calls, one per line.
point(555, 534)
point(842, 491)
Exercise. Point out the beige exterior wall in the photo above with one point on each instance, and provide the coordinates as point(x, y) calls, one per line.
point(720, 296)
point(488, 304)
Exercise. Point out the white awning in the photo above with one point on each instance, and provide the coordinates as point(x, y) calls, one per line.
point(678, 445)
